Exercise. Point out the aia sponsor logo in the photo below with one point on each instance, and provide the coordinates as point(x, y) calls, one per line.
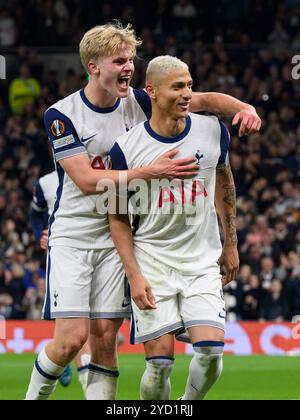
point(184, 195)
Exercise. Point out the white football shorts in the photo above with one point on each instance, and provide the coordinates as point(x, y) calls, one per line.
point(85, 284)
point(182, 301)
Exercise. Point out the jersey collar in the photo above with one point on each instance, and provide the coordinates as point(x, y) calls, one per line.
point(162, 139)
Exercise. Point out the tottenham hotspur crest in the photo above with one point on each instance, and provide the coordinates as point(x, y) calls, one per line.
point(55, 298)
point(199, 156)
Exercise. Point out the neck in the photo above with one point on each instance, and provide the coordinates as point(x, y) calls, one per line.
point(98, 96)
point(166, 126)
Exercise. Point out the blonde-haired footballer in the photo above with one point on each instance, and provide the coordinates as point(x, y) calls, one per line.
point(173, 260)
point(85, 278)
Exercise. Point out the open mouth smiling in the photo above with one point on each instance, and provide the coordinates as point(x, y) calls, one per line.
point(124, 81)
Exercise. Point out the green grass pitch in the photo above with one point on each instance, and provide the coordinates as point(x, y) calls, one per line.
point(244, 378)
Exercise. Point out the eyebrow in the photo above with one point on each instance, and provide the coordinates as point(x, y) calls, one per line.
point(179, 84)
point(123, 58)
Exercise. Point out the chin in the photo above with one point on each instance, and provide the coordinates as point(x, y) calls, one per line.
point(123, 93)
point(183, 115)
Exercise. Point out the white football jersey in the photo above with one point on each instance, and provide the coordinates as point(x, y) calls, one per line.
point(75, 126)
point(177, 224)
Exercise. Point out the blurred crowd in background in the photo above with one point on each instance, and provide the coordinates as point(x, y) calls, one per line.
point(242, 48)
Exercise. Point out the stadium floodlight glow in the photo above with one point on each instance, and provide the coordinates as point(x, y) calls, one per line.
point(2, 67)
point(2, 328)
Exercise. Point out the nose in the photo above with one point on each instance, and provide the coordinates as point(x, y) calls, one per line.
point(187, 93)
point(128, 67)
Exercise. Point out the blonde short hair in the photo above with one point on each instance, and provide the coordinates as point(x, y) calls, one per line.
point(106, 40)
point(163, 65)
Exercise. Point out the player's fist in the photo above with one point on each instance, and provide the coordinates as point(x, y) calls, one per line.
point(141, 293)
point(250, 122)
point(229, 263)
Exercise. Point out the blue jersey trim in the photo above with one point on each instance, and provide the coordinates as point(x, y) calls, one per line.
point(83, 369)
point(169, 139)
point(96, 108)
point(224, 143)
point(132, 328)
point(118, 160)
point(61, 176)
point(144, 101)
point(68, 136)
point(47, 311)
point(209, 344)
point(39, 222)
point(40, 198)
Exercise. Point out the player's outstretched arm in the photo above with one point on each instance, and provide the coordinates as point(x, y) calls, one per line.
point(140, 288)
point(87, 179)
point(226, 105)
point(225, 199)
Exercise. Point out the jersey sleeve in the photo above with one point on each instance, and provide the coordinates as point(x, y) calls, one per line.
point(144, 101)
point(62, 135)
point(38, 212)
point(117, 158)
point(224, 143)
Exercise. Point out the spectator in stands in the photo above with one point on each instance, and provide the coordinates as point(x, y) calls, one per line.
point(33, 301)
point(235, 291)
point(71, 84)
point(3, 286)
point(267, 273)
point(252, 299)
point(8, 29)
point(275, 307)
point(184, 9)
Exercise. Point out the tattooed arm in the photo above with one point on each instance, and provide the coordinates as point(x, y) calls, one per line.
point(225, 200)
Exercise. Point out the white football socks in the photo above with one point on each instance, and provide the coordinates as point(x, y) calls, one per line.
point(44, 378)
point(102, 383)
point(205, 369)
point(83, 371)
point(155, 383)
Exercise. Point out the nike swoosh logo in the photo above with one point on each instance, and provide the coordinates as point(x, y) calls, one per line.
point(125, 305)
point(222, 316)
point(88, 138)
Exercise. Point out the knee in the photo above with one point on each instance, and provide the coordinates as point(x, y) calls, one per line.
point(160, 368)
point(107, 340)
point(157, 348)
point(209, 357)
point(74, 343)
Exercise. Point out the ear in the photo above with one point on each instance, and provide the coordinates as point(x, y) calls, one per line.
point(151, 90)
point(93, 69)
